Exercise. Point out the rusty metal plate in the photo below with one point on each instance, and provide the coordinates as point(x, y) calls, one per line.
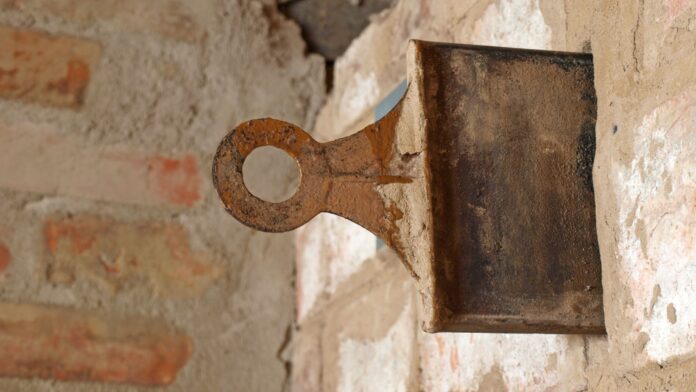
point(511, 145)
point(480, 179)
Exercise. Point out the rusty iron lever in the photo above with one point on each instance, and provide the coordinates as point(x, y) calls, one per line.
point(480, 179)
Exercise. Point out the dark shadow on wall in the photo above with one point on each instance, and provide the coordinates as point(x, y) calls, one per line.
point(329, 26)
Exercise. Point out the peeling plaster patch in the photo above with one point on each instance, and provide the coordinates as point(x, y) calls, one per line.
point(656, 195)
point(360, 95)
point(379, 365)
point(493, 381)
point(329, 250)
point(653, 301)
point(513, 23)
point(671, 313)
point(525, 362)
point(643, 340)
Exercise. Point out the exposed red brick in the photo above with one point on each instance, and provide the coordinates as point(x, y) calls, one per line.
point(33, 159)
point(173, 19)
point(177, 180)
point(5, 257)
point(38, 67)
point(113, 253)
point(66, 344)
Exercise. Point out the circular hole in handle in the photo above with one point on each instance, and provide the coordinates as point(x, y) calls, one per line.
point(228, 165)
point(271, 174)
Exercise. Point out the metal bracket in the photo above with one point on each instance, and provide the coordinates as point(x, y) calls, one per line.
point(480, 179)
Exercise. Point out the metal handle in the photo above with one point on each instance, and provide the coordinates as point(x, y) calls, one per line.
point(308, 200)
point(342, 177)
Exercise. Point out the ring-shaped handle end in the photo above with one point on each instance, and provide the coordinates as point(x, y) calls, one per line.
point(308, 200)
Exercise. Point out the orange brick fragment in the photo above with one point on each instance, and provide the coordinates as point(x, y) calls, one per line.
point(66, 344)
point(113, 253)
point(33, 159)
point(38, 67)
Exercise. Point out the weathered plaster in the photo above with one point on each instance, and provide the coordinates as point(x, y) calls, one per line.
point(513, 23)
point(656, 194)
point(525, 362)
point(359, 96)
point(370, 365)
point(329, 250)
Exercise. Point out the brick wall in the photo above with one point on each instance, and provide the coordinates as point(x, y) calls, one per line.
point(118, 264)
point(358, 318)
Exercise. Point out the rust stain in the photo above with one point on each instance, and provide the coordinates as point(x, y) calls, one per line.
point(381, 138)
point(273, 133)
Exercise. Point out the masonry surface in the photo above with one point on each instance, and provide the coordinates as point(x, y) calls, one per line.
point(645, 192)
point(119, 268)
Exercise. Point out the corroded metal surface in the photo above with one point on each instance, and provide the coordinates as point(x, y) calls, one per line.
point(480, 179)
point(339, 177)
point(510, 147)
